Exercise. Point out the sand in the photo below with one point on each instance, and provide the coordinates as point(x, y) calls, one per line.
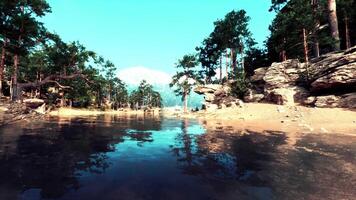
point(261, 117)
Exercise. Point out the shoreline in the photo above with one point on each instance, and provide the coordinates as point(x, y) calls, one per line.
point(292, 119)
point(76, 112)
point(252, 116)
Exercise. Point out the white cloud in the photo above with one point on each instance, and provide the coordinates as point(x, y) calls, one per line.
point(134, 75)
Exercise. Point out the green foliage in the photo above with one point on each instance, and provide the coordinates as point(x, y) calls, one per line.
point(144, 95)
point(230, 33)
point(184, 80)
point(255, 58)
point(295, 15)
point(46, 62)
point(240, 85)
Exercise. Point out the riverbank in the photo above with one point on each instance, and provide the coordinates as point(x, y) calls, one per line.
point(260, 117)
point(257, 117)
point(72, 112)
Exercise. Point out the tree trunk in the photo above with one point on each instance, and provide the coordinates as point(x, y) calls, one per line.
point(334, 27)
point(242, 59)
point(316, 49)
point(185, 101)
point(2, 65)
point(233, 59)
point(227, 66)
point(221, 77)
point(347, 33)
point(15, 92)
point(306, 58)
point(283, 54)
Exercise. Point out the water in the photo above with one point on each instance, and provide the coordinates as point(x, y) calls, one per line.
point(113, 157)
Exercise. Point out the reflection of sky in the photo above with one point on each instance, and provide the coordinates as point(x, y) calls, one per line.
point(158, 149)
point(141, 168)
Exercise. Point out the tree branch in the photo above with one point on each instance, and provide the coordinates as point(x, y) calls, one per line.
point(53, 79)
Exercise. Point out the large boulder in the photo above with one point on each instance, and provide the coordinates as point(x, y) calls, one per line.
point(217, 96)
point(253, 96)
point(33, 103)
point(348, 100)
point(287, 96)
point(330, 101)
point(281, 83)
point(284, 74)
point(204, 89)
point(334, 71)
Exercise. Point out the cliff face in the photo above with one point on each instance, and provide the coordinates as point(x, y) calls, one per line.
point(328, 81)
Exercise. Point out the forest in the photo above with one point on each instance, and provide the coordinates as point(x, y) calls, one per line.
point(36, 63)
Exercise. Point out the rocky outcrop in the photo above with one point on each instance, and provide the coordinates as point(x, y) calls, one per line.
point(332, 101)
point(334, 71)
point(278, 84)
point(217, 96)
point(324, 82)
point(328, 77)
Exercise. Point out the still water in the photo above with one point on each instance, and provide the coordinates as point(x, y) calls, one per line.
point(151, 157)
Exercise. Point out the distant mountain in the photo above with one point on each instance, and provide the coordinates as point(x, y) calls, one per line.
point(160, 81)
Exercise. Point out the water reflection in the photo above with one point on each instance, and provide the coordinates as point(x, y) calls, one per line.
point(150, 157)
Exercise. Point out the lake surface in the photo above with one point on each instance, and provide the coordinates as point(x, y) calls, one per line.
point(151, 157)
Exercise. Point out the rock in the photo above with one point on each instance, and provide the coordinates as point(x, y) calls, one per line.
point(348, 100)
point(209, 97)
point(280, 109)
point(41, 109)
point(33, 103)
point(281, 83)
point(287, 96)
point(284, 74)
point(253, 96)
point(334, 71)
point(310, 100)
point(239, 103)
point(203, 89)
point(259, 74)
point(211, 107)
point(330, 101)
point(216, 96)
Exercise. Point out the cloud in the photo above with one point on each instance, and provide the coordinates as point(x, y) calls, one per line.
point(134, 75)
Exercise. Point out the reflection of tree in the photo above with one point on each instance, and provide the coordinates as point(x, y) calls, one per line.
point(53, 157)
point(196, 161)
point(238, 161)
point(253, 149)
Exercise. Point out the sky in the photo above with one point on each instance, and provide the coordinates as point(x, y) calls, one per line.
point(151, 34)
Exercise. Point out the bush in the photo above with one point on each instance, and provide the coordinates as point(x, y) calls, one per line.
point(240, 85)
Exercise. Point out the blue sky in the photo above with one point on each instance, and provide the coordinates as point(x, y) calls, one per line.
point(148, 33)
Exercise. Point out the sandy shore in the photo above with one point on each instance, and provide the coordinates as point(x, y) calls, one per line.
point(262, 117)
point(72, 112)
point(253, 116)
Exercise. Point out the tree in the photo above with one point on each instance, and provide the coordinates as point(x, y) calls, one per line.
point(230, 34)
point(292, 34)
point(184, 80)
point(144, 96)
point(334, 27)
point(24, 33)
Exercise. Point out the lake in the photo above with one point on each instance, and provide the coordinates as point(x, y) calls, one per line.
point(153, 157)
